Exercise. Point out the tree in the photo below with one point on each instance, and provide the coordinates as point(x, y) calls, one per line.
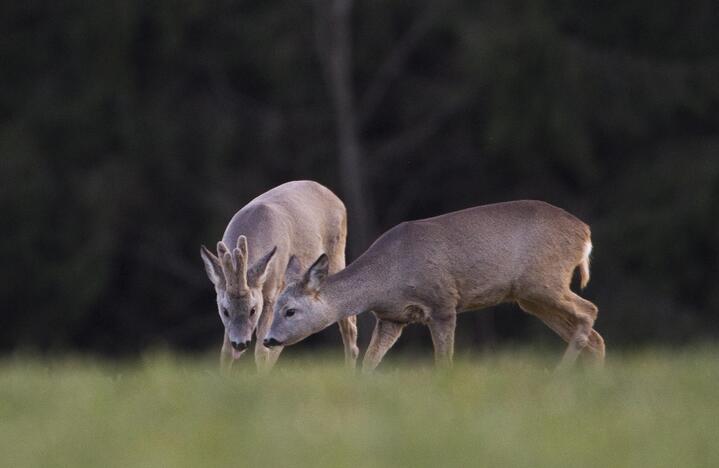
point(334, 49)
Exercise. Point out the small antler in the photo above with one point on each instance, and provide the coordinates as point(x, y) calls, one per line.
point(234, 266)
point(242, 258)
point(242, 245)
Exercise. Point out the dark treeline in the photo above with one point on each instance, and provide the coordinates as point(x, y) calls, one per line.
point(131, 131)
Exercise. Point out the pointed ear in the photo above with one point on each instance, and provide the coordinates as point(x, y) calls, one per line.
point(317, 273)
point(293, 272)
point(257, 275)
point(212, 266)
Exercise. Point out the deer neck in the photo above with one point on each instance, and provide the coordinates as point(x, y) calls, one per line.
point(354, 290)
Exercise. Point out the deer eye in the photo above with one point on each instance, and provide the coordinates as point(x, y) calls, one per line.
point(290, 312)
point(252, 311)
point(225, 312)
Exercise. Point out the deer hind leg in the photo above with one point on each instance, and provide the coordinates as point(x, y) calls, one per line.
point(348, 330)
point(572, 318)
point(385, 334)
point(595, 342)
point(596, 347)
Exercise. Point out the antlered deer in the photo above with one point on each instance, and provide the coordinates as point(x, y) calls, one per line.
point(429, 270)
point(302, 219)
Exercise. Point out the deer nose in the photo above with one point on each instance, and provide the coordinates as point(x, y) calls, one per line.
point(270, 342)
point(240, 346)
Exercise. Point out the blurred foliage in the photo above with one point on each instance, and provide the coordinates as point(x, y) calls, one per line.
point(131, 131)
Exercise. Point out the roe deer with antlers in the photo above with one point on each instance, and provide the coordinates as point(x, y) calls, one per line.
point(429, 270)
point(302, 219)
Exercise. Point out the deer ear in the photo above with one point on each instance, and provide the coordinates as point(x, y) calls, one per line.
point(257, 275)
point(212, 266)
point(317, 273)
point(293, 272)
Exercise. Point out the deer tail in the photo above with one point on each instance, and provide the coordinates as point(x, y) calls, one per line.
point(584, 265)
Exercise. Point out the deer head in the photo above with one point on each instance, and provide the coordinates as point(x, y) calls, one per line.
point(238, 288)
point(300, 310)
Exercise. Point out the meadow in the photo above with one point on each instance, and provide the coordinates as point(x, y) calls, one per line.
point(646, 408)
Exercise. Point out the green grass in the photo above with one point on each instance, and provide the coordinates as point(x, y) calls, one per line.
point(649, 409)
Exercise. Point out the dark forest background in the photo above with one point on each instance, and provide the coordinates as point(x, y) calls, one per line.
point(131, 131)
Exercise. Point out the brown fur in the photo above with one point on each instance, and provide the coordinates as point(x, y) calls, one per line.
point(300, 218)
point(431, 269)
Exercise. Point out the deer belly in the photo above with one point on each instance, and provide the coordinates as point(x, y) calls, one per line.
point(485, 297)
point(411, 313)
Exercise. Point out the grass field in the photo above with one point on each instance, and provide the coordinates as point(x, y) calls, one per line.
point(652, 409)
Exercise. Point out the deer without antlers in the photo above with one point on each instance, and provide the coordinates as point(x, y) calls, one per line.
point(429, 270)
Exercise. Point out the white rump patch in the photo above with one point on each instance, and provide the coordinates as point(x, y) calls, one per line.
point(587, 251)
